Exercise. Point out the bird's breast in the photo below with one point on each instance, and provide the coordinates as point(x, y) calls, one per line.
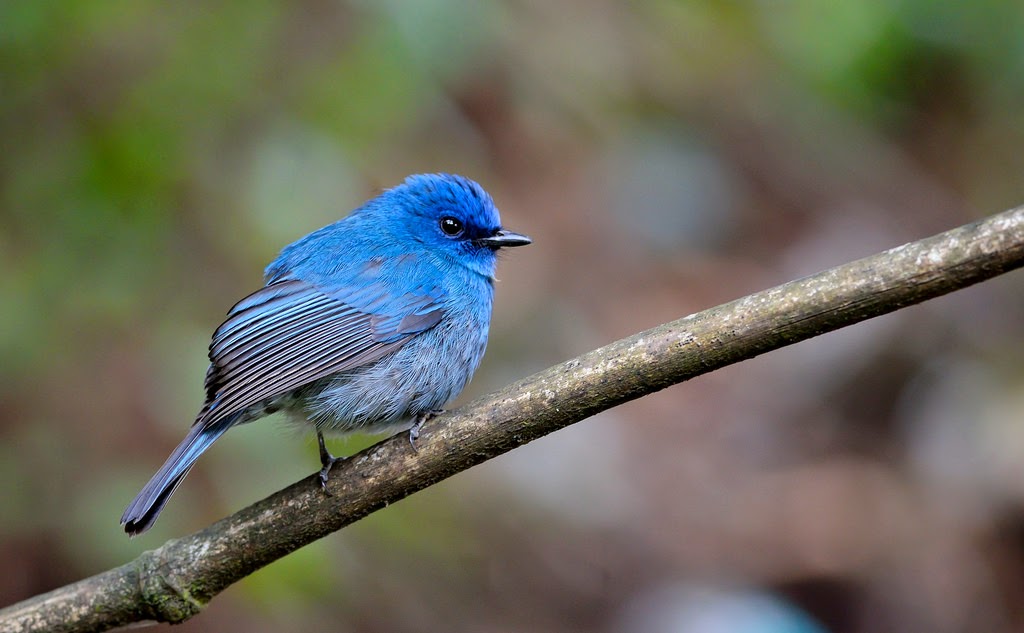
point(425, 373)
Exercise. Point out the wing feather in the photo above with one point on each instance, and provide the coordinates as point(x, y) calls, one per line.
point(266, 335)
point(292, 333)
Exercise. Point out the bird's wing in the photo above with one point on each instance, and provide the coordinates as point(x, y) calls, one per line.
point(291, 333)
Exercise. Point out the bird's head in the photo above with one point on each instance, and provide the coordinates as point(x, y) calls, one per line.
point(454, 216)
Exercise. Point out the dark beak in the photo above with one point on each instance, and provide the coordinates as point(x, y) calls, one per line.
point(504, 239)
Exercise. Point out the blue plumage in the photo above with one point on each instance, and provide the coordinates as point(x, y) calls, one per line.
point(367, 324)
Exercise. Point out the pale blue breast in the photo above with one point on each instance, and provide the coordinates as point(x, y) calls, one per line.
point(421, 376)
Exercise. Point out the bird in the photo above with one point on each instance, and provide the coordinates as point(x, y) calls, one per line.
point(370, 324)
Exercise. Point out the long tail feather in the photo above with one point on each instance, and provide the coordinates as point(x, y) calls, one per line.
point(142, 512)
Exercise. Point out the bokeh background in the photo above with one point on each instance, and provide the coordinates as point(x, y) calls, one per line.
point(666, 157)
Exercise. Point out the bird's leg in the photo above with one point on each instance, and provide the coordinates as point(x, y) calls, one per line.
point(326, 460)
point(421, 419)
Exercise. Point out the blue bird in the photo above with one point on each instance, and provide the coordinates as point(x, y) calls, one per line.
point(369, 324)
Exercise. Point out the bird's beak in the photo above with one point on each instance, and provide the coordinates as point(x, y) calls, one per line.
point(503, 239)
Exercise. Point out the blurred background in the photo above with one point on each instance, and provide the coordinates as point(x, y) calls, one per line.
point(665, 157)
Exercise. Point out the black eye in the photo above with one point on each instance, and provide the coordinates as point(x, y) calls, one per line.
point(451, 227)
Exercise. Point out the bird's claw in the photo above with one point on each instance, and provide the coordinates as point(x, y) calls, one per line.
point(421, 419)
point(326, 460)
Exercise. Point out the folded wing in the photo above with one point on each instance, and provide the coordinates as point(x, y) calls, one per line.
point(291, 333)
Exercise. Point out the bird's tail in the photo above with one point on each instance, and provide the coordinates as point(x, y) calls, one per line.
point(142, 512)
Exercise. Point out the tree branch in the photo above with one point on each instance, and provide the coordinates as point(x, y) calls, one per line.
point(175, 581)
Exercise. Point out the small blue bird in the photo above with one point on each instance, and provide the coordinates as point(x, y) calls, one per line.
point(370, 324)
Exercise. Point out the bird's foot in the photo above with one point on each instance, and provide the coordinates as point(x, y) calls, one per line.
point(326, 460)
point(421, 419)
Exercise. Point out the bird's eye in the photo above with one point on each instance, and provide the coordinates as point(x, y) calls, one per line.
point(451, 227)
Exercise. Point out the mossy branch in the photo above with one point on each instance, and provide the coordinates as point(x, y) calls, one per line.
point(175, 581)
